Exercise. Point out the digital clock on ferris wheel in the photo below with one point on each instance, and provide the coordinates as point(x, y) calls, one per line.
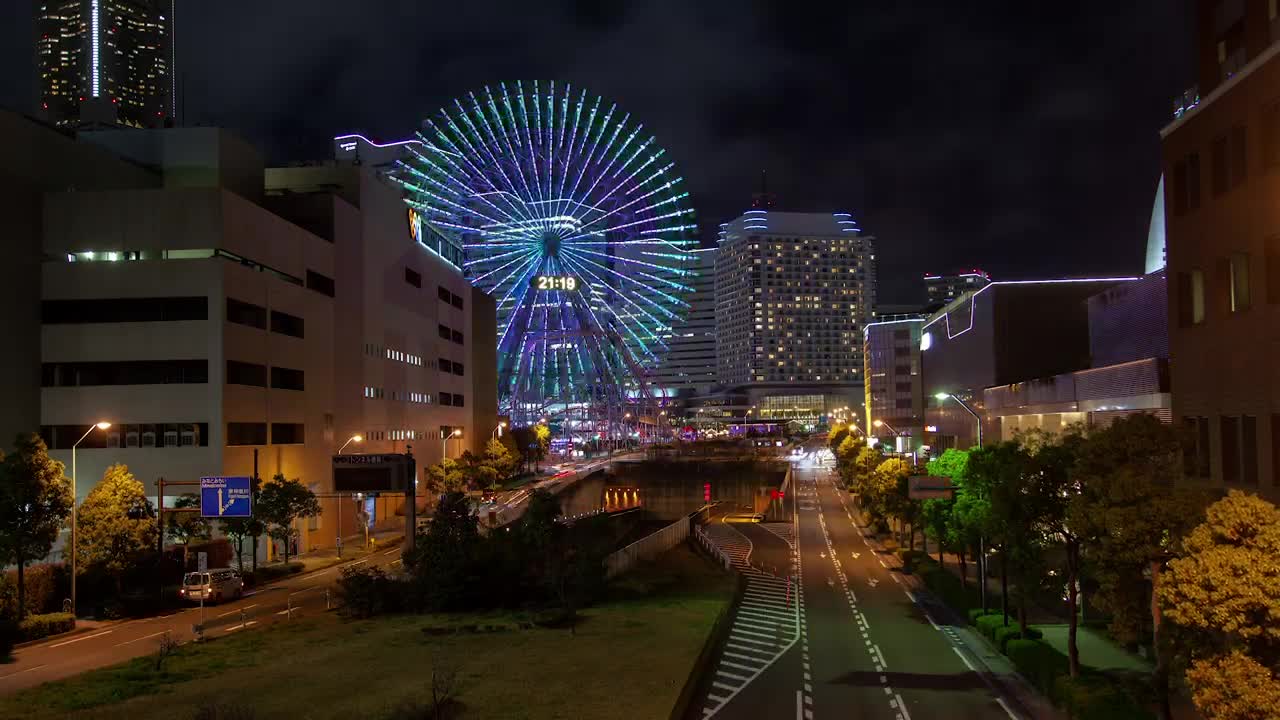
point(567, 283)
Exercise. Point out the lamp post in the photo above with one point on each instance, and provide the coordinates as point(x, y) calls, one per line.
point(982, 570)
point(101, 425)
point(444, 443)
point(356, 439)
point(942, 397)
point(497, 432)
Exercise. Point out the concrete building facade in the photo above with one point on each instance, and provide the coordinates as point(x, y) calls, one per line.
point(1222, 168)
point(894, 383)
point(689, 366)
point(236, 314)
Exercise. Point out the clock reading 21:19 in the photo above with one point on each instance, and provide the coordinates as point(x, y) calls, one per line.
point(567, 283)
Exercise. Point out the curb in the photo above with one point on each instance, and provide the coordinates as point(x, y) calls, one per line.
point(711, 647)
point(48, 638)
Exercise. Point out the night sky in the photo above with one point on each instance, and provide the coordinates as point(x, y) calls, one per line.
point(1018, 137)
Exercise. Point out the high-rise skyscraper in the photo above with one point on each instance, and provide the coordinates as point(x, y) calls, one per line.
point(105, 62)
point(690, 362)
point(793, 291)
point(942, 289)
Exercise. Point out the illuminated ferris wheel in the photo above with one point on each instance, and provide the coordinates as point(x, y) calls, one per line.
point(575, 222)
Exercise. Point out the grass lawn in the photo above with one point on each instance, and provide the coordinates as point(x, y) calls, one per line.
point(1096, 649)
point(628, 658)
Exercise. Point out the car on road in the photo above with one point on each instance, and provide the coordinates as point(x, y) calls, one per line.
point(212, 586)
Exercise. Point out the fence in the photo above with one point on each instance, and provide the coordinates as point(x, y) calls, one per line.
point(712, 548)
point(646, 547)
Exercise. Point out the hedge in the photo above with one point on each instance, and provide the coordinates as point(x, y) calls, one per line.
point(1038, 662)
point(34, 627)
point(267, 573)
point(1097, 697)
point(947, 586)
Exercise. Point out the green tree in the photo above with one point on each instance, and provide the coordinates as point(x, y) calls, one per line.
point(998, 473)
point(939, 514)
point(117, 524)
point(35, 500)
point(445, 562)
point(1130, 515)
point(447, 476)
point(837, 437)
point(1223, 592)
point(238, 530)
point(280, 503)
point(185, 527)
point(848, 449)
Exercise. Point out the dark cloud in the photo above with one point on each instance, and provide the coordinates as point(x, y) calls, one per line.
point(1017, 137)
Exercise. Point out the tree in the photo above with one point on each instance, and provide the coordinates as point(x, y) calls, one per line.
point(1130, 517)
point(997, 473)
point(117, 524)
point(836, 437)
point(447, 476)
point(184, 527)
point(1223, 592)
point(280, 503)
point(35, 500)
point(848, 449)
point(1055, 485)
point(239, 530)
point(542, 442)
point(1234, 687)
point(445, 559)
point(939, 513)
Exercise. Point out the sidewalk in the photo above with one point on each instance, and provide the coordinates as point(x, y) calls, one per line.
point(352, 549)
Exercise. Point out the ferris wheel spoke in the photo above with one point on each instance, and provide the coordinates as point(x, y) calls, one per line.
point(506, 136)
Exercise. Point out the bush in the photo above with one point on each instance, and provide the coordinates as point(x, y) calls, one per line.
point(8, 635)
point(974, 614)
point(368, 591)
point(947, 587)
point(268, 573)
point(46, 586)
point(1039, 663)
point(988, 624)
point(34, 627)
point(1096, 697)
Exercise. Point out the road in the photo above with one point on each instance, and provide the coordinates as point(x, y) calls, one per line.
point(866, 647)
point(116, 642)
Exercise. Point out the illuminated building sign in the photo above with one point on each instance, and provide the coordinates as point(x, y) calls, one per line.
point(415, 225)
point(567, 283)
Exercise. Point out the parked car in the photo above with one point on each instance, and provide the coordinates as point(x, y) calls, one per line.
point(212, 586)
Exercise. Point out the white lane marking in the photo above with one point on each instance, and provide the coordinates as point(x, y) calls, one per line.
point(241, 627)
point(864, 621)
point(882, 563)
point(86, 637)
point(799, 706)
point(144, 637)
point(739, 666)
point(390, 551)
point(731, 676)
point(929, 617)
point(965, 659)
point(903, 707)
point(37, 667)
point(1006, 708)
point(736, 639)
point(233, 612)
point(881, 657)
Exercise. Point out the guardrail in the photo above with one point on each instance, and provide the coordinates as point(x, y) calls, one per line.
point(668, 537)
point(712, 548)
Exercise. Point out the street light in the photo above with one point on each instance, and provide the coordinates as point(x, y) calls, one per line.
point(878, 423)
point(353, 438)
point(497, 432)
point(444, 443)
point(942, 397)
point(100, 425)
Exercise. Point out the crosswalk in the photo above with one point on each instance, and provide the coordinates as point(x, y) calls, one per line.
point(765, 625)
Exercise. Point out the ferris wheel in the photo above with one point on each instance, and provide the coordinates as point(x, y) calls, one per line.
point(577, 224)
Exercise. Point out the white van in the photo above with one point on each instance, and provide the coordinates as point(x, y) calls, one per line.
point(212, 586)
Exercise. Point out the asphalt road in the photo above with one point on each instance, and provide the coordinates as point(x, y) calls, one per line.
point(866, 648)
point(116, 642)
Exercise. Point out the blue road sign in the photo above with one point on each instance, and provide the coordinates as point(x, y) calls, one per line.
point(226, 497)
